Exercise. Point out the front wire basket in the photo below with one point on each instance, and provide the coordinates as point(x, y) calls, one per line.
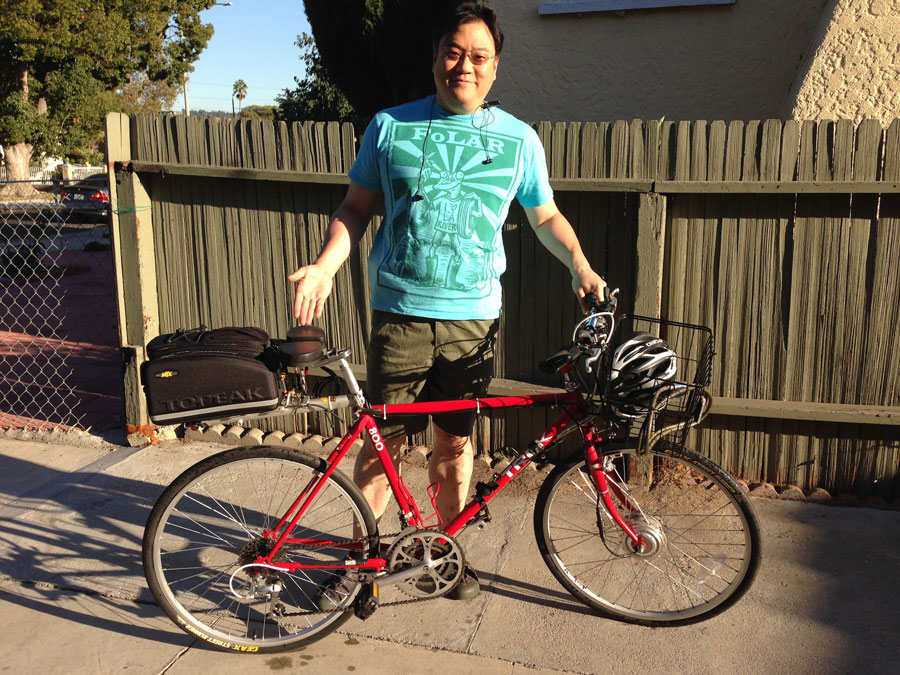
point(675, 405)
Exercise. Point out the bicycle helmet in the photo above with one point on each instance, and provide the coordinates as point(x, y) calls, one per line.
point(640, 366)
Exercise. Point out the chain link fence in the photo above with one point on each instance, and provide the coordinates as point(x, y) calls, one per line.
point(59, 359)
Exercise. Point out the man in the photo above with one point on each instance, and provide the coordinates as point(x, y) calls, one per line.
point(447, 167)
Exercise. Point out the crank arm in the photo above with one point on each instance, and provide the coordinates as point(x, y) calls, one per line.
point(405, 574)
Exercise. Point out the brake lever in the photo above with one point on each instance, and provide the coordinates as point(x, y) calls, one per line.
point(595, 355)
point(608, 304)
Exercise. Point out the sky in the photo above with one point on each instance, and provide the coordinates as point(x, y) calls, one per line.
point(253, 42)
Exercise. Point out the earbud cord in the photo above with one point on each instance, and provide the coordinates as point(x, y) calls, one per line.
point(482, 134)
point(419, 196)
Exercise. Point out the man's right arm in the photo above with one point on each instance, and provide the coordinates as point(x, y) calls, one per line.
point(315, 281)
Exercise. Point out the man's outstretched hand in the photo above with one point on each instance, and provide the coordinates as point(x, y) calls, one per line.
point(313, 288)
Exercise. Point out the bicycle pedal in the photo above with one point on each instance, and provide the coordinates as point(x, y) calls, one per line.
point(366, 601)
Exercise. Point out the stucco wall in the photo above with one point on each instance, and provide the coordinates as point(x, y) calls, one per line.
point(736, 61)
point(852, 70)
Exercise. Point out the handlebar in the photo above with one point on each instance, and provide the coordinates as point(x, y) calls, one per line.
point(608, 304)
point(592, 334)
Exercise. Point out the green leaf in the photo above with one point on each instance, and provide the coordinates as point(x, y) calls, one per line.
point(59, 59)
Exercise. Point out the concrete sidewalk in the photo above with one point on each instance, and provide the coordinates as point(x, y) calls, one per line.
point(74, 597)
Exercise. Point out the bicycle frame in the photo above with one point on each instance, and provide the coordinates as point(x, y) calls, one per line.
point(573, 417)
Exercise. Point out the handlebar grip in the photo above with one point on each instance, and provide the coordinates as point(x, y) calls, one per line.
point(608, 304)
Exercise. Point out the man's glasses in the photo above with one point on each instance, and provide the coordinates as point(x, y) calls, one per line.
point(477, 59)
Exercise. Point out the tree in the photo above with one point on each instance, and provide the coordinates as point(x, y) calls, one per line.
point(59, 57)
point(140, 94)
point(260, 112)
point(315, 98)
point(239, 92)
point(375, 51)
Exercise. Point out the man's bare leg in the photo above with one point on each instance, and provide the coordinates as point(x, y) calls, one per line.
point(368, 474)
point(451, 466)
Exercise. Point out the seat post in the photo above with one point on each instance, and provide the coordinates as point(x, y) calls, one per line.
point(352, 383)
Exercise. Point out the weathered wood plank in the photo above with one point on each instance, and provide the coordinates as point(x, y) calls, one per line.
point(882, 365)
point(575, 184)
point(573, 149)
point(683, 151)
point(602, 184)
point(649, 274)
point(652, 140)
point(772, 187)
point(618, 150)
point(636, 153)
point(790, 149)
point(601, 154)
point(730, 283)
point(695, 289)
point(172, 169)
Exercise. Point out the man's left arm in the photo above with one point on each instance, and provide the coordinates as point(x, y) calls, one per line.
point(558, 237)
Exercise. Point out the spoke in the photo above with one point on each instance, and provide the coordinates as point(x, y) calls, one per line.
point(676, 581)
point(198, 524)
point(202, 596)
point(222, 513)
point(290, 577)
point(199, 547)
point(633, 576)
point(198, 567)
point(588, 490)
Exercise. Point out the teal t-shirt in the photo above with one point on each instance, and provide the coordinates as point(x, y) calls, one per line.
point(448, 181)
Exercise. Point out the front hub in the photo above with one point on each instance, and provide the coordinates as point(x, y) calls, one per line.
point(651, 532)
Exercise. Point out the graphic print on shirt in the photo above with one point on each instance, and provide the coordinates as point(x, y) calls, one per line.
point(445, 244)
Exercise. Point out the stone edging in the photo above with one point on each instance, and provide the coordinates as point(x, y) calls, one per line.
point(316, 444)
point(816, 496)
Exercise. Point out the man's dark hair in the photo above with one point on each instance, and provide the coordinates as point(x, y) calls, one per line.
point(458, 13)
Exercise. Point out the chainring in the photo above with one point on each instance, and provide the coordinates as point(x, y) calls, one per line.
point(445, 562)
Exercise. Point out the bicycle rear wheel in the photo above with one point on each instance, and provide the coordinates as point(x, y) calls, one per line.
point(209, 523)
point(703, 542)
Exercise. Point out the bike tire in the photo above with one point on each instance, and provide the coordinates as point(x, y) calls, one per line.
point(208, 523)
point(704, 546)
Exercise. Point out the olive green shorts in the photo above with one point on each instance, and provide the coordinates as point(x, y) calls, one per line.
point(412, 359)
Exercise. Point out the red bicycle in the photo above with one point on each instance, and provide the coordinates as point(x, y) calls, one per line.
point(238, 549)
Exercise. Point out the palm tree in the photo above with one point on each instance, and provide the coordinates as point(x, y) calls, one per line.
point(239, 92)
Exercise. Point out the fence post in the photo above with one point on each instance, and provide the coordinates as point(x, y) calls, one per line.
point(135, 267)
point(651, 234)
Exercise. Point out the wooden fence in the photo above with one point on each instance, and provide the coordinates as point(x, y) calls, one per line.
point(779, 235)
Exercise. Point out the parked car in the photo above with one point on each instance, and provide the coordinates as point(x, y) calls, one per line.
point(86, 201)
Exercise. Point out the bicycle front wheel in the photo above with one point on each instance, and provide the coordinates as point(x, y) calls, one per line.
point(702, 537)
point(207, 529)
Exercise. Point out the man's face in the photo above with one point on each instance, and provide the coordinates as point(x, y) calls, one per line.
point(465, 67)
